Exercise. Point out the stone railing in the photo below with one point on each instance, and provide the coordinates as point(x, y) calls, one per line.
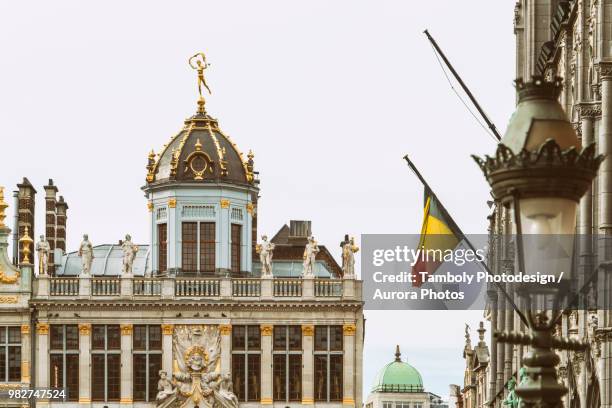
point(246, 287)
point(287, 287)
point(147, 287)
point(328, 288)
point(64, 287)
point(105, 287)
point(198, 287)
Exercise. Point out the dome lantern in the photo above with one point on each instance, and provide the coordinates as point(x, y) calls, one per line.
point(398, 377)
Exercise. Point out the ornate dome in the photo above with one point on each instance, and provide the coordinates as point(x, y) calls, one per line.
point(200, 152)
point(398, 376)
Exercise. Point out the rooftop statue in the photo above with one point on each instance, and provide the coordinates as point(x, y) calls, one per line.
point(310, 254)
point(265, 251)
point(198, 62)
point(348, 258)
point(86, 254)
point(43, 248)
point(129, 254)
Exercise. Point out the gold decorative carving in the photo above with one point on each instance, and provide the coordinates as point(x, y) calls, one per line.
point(307, 330)
point(266, 329)
point(225, 203)
point(199, 162)
point(25, 242)
point(25, 329)
point(349, 329)
point(9, 299)
point(307, 401)
point(250, 208)
point(172, 202)
point(197, 349)
point(126, 401)
point(3, 207)
point(11, 279)
point(150, 206)
point(348, 401)
point(84, 400)
point(42, 328)
point(225, 329)
point(266, 401)
point(85, 329)
point(167, 329)
point(151, 167)
point(126, 329)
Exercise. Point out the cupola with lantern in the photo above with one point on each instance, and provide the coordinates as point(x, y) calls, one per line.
point(202, 196)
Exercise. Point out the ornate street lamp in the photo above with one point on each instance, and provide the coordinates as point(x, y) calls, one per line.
point(540, 172)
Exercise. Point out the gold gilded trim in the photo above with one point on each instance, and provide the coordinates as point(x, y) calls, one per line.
point(84, 400)
point(25, 329)
point(266, 401)
point(225, 203)
point(172, 202)
point(250, 208)
point(167, 329)
point(349, 329)
point(225, 329)
point(267, 329)
point(25, 371)
point(42, 328)
point(307, 330)
point(150, 206)
point(348, 401)
point(126, 401)
point(85, 329)
point(126, 329)
point(307, 401)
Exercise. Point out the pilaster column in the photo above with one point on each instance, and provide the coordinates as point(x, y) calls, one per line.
point(224, 226)
point(26, 352)
point(42, 355)
point(126, 364)
point(84, 363)
point(348, 365)
point(173, 238)
point(307, 364)
point(225, 330)
point(605, 220)
point(266, 364)
point(167, 366)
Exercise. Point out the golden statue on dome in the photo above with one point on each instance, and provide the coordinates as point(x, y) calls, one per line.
point(198, 62)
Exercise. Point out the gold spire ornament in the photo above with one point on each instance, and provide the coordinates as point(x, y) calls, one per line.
point(198, 63)
point(25, 242)
point(3, 207)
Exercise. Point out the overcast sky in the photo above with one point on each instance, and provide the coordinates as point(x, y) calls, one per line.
point(329, 94)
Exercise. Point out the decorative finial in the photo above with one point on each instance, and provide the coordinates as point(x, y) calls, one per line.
point(481, 332)
point(151, 167)
point(198, 145)
point(198, 63)
point(251, 155)
point(25, 242)
point(3, 207)
point(398, 354)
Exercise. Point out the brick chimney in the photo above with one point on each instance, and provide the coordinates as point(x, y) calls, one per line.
point(50, 215)
point(26, 207)
point(299, 231)
point(61, 208)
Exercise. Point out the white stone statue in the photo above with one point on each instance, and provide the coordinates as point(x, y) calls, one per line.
point(86, 254)
point(310, 254)
point(348, 258)
point(43, 248)
point(164, 387)
point(129, 254)
point(265, 251)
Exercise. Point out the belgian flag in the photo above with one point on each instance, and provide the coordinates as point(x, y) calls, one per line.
point(439, 233)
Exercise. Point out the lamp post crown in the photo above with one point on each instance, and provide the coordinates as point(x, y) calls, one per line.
point(539, 88)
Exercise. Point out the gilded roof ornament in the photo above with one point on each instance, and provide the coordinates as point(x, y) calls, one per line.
point(26, 241)
point(151, 167)
point(198, 63)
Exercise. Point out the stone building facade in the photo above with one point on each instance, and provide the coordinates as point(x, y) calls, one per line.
point(571, 40)
point(198, 302)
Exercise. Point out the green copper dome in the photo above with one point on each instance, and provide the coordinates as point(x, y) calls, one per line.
point(398, 376)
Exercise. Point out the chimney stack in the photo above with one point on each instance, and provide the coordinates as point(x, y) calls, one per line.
point(50, 215)
point(60, 227)
point(26, 207)
point(299, 231)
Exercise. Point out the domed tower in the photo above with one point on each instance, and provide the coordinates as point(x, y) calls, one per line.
point(202, 195)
